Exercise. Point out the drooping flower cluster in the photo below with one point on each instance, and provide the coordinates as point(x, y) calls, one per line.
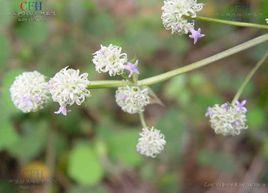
point(68, 87)
point(228, 119)
point(176, 15)
point(111, 59)
point(29, 91)
point(132, 99)
point(151, 142)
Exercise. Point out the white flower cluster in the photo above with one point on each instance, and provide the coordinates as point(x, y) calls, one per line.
point(29, 91)
point(111, 59)
point(151, 142)
point(228, 119)
point(68, 87)
point(175, 15)
point(132, 99)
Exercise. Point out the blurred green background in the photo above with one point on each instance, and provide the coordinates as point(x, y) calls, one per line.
point(92, 150)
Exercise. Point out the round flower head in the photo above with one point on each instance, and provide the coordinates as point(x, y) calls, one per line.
point(110, 59)
point(151, 142)
point(68, 87)
point(176, 12)
point(132, 99)
point(228, 119)
point(29, 91)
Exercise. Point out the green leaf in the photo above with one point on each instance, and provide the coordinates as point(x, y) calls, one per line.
point(8, 135)
point(115, 139)
point(126, 154)
point(84, 166)
point(31, 142)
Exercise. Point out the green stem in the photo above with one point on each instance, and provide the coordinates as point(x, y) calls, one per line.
point(143, 123)
point(107, 84)
point(204, 62)
point(249, 76)
point(235, 23)
point(190, 67)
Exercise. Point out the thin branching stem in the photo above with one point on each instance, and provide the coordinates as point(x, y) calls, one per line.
point(142, 119)
point(248, 78)
point(234, 23)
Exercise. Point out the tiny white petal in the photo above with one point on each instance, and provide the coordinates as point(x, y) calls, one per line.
point(132, 99)
point(109, 59)
point(151, 142)
point(29, 91)
point(68, 87)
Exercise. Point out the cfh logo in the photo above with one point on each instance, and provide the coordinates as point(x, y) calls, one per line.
point(31, 5)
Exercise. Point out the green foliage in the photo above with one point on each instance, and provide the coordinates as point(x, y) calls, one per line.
point(176, 89)
point(5, 186)
point(174, 129)
point(32, 140)
point(34, 33)
point(6, 17)
point(8, 135)
point(256, 118)
point(169, 183)
point(125, 153)
point(5, 51)
point(84, 166)
point(82, 189)
point(121, 143)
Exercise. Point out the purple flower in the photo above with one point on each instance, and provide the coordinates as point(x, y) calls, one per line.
point(132, 68)
point(62, 110)
point(241, 106)
point(196, 34)
point(209, 112)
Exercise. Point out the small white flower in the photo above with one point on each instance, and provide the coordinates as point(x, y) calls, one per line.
point(175, 14)
point(266, 20)
point(68, 87)
point(29, 91)
point(132, 99)
point(228, 119)
point(151, 142)
point(110, 59)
